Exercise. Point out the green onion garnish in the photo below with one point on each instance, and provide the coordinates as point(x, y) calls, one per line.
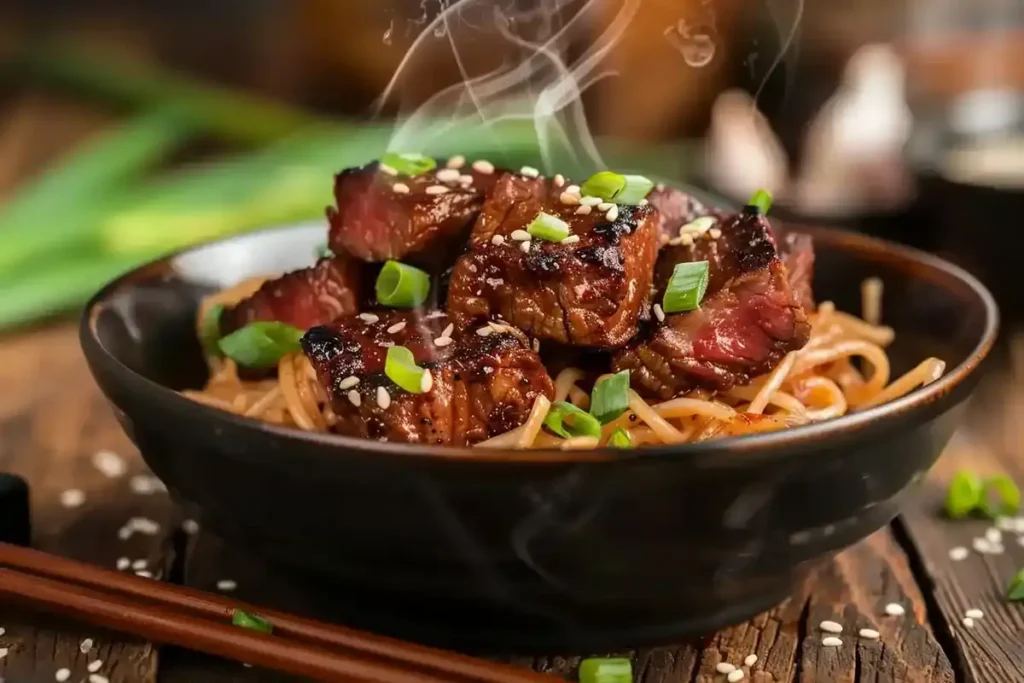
point(686, 287)
point(402, 286)
point(606, 670)
point(637, 187)
point(1015, 591)
point(620, 438)
point(762, 201)
point(567, 421)
point(605, 184)
point(323, 251)
point(400, 367)
point(610, 397)
point(261, 344)
point(410, 164)
point(548, 227)
point(210, 334)
point(964, 494)
point(253, 622)
point(1000, 497)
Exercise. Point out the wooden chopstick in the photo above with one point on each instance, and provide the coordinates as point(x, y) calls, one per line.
point(193, 619)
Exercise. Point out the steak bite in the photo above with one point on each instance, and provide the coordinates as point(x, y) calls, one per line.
point(303, 298)
point(586, 290)
point(482, 384)
point(749, 320)
point(675, 209)
point(424, 219)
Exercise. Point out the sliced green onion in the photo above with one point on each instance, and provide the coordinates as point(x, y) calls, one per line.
point(253, 622)
point(261, 344)
point(606, 670)
point(567, 421)
point(1015, 591)
point(410, 164)
point(964, 494)
point(762, 201)
point(400, 367)
point(548, 227)
point(620, 438)
point(402, 286)
point(210, 334)
point(637, 187)
point(686, 287)
point(323, 251)
point(610, 397)
point(605, 184)
point(1006, 497)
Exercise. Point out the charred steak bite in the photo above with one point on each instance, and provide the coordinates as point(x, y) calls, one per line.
point(303, 298)
point(383, 214)
point(481, 384)
point(749, 319)
point(587, 289)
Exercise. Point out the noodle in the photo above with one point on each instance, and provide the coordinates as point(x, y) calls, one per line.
point(818, 382)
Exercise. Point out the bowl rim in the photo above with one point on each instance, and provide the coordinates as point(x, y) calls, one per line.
point(763, 443)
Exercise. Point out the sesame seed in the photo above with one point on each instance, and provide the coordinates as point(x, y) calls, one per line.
point(484, 167)
point(659, 313)
point(190, 527)
point(869, 633)
point(968, 622)
point(974, 613)
point(457, 161)
point(383, 398)
point(143, 526)
point(397, 327)
point(525, 247)
point(715, 233)
point(520, 235)
point(144, 574)
point(436, 190)
point(659, 187)
point(448, 330)
point(427, 381)
point(958, 553)
point(994, 535)
point(354, 398)
point(573, 189)
point(831, 641)
point(443, 341)
point(674, 242)
point(751, 660)
point(226, 585)
point(831, 626)
point(529, 171)
point(448, 175)
point(583, 210)
point(2, 630)
point(348, 382)
point(466, 180)
point(568, 198)
point(894, 609)
point(604, 206)
point(3, 652)
point(400, 188)
point(736, 675)
point(725, 667)
point(643, 202)
point(571, 239)
point(384, 168)
point(590, 201)
point(559, 180)
point(95, 666)
point(62, 675)
point(498, 240)
point(139, 564)
point(368, 317)
point(612, 214)
point(536, 345)
point(96, 678)
point(72, 498)
point(109, 464)
point(85, 646)
point(484, 331)
point(123, 563)
point(471, 268)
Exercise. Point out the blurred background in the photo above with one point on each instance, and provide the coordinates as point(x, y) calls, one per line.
point(132, 127)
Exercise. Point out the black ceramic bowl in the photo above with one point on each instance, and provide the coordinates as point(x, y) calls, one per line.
point(525, 550)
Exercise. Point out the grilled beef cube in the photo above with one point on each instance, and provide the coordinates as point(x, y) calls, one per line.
point(588, 291)
point(303, 298)
point(482, 386)
point(675, 209)
point(797, 251)
point(749, 320)
point(422, 219)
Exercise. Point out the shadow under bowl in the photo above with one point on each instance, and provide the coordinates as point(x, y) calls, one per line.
point(527, 551)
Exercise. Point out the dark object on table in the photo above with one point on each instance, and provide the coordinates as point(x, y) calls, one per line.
point(514, 551)
point(15, 526)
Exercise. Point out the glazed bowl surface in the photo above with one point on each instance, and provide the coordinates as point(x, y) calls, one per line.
point(529, 551)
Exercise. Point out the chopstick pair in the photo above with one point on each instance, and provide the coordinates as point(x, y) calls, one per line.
point(192, 619)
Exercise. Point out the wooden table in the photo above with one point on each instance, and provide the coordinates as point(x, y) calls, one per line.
point(53, 421)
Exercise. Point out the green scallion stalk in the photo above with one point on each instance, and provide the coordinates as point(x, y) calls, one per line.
point(605, 184)
point(610, 397)
point(620, 438)
point(548, 227)
point(323, 251)
point(1000, 498)
point(762, 201)
point(686, 287)
point(409, 163)
point(606, 670)
point(210, 333)
point(964, 495)
point(402, 286)
point(253, 622)
point(400, 367)
point(261, 344)
point(1015, 590)
point(636, 188)
point(566, 420)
